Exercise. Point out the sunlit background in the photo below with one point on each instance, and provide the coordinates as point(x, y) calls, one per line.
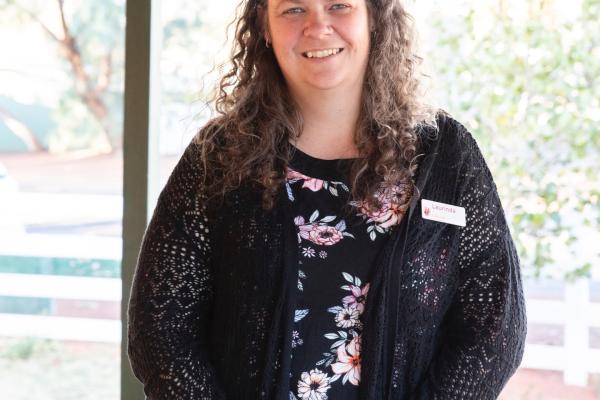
point(522, 75)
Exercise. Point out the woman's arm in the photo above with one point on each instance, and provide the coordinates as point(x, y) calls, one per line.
point(172, 294)
point(486, 325)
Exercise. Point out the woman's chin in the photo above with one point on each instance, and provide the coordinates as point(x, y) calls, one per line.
point(325, 83)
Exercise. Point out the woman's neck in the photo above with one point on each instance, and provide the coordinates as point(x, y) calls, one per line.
point(329, 124)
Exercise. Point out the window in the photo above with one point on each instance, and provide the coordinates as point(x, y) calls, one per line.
point(61, 118)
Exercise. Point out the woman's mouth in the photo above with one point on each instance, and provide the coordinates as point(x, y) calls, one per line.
point(322, 53)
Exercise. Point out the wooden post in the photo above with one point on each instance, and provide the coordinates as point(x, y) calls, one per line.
point(140, 153)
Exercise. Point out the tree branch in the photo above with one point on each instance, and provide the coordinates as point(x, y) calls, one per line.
point(105, 73)
point(88, 95)
point(21, 130)
point(35, 19)
point(89, 92)
point(63, 21)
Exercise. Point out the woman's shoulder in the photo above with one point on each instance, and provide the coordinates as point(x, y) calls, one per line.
point(447, 129)
point(182, 188)
point(197, 167)
point(458, 148)
point(449, 138)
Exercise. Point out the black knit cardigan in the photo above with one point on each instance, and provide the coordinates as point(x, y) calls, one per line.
point(212, 302)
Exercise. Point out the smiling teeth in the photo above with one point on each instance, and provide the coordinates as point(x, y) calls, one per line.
point(322, 53)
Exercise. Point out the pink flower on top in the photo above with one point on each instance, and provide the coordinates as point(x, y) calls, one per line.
point(324, 235)
point(393, 205)
point(349, 361)
point(357, 298)
point(304, 229)
point(313, 184)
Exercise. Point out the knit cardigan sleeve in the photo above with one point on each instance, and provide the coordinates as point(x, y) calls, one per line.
point(172, 293)
point(485, 326)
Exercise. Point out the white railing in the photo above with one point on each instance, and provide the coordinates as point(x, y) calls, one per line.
point(60, 327)
point(60, 246)
point(60, 287)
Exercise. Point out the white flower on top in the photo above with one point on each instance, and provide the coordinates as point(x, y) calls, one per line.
point(348, 316)
point(313, 385)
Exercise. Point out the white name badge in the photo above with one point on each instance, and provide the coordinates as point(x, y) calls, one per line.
point(442, 212)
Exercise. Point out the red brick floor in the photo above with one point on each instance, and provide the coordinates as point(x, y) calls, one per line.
point(530, 384)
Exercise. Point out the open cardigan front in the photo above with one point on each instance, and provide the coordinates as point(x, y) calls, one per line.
point(212, 304)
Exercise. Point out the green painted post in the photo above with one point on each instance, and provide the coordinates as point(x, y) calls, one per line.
point(140, 153)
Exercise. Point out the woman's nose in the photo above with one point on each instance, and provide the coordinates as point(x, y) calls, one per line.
point(317, 25)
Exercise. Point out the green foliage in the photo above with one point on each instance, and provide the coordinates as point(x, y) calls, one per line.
point(26, 348)
point(529, 90)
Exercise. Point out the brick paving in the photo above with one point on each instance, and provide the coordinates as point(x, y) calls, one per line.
point(529, 384)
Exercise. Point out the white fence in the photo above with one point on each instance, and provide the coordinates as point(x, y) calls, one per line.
point(575, 313)
point(60, 287)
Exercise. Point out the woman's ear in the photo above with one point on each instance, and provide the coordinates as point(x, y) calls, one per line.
point(263, 20)
point(371, 17)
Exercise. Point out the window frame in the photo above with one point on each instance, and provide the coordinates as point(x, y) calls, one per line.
point(140, 153)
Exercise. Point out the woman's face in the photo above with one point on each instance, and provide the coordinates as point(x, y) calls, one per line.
point(319, 44)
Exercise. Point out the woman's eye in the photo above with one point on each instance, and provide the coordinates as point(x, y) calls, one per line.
point(339, 6)
point(295, 10)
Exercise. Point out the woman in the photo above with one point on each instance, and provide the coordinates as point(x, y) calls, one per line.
point(327, 236)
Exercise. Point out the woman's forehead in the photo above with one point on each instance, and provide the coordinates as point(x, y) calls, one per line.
point(278, 2)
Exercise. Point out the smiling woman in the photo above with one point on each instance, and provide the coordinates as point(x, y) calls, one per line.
point(319, 45)
point(287, 257)
point(322, 49)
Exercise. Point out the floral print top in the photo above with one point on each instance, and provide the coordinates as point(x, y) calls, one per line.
point(338, 242)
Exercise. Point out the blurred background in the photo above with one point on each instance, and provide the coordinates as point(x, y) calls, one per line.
point(522, 75)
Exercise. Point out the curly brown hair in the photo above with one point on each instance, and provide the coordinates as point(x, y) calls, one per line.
point(249, 140)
